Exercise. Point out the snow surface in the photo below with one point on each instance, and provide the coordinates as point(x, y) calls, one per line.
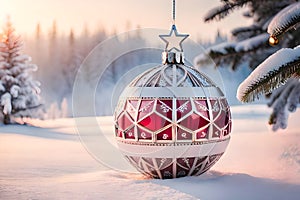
point(272, 63)
point(49, 162)
point(283, 20)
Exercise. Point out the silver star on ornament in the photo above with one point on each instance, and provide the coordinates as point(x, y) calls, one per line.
point(174, 39)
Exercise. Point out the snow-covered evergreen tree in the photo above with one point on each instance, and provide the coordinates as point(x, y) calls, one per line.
point(19, 93)
point(273, 32)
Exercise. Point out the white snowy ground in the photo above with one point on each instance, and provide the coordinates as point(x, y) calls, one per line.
point(49, 162)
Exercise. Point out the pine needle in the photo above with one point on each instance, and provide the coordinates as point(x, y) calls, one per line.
point(285, 20)
point(271, 81)
point(222, 11)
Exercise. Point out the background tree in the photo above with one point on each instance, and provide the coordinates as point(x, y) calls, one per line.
point(72, 64)
point(277, 74)
point(19, 93)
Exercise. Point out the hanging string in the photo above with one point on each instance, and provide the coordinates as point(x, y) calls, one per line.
point(174, 12)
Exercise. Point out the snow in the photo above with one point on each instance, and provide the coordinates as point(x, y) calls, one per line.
point(223, 48)
point(6, 103)
point(22, 58)
point(272, 63)
point(252, 43)
point(14, 91)
point(49, 162)
point(284, 19)
point(220, 48)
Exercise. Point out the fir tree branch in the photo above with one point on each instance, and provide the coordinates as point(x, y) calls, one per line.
point(285, 20)
point(271, 81)
point(247, 29)
point(284, 99)
point(222, 11)
point(233, 52)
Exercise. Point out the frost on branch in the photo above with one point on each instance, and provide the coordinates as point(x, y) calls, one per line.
point(286, 19)
point(269, 75)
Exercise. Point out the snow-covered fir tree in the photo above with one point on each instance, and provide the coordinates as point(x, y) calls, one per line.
point(270, 47)
point(19, 93)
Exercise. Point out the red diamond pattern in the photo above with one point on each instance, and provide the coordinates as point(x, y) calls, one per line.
point(185, 162)
point(169, 168)
point(224, 104)
point(183, 108)
point(164, 107)
point(183, 135)
point(189, 124)
point(165, 135)
point(146, 107)
point(201, 107)
point(202, 134)
point(227, 129)
point(124, 122)
point(221, 120)
point(215, 106)
point(217, 133)
point(130, 110)
point(129, 134)
point(134, 103)
point(144, 135)
point(119, 133)
point(194, 122)
point(154, 122)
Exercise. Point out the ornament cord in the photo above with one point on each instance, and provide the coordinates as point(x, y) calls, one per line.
point(174, 12)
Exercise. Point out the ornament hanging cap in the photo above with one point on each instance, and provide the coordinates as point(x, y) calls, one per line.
point(173, 53)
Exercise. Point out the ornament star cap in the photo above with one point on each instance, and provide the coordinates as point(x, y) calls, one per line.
point(174, 40)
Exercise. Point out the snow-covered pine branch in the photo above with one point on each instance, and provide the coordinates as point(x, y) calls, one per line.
point(247, 29)
point(269, 75)
point(222, 11)
point(229, 49)
point(283, 100)
point(286, 19)
point(252, 44)
point(213, 52)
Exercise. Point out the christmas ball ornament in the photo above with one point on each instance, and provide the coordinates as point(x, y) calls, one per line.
point(273, 40)
point(172, 120)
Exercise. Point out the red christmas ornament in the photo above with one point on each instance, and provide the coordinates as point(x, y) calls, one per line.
point(172, 120)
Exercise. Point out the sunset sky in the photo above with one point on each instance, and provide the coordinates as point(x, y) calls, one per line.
point(114, 15)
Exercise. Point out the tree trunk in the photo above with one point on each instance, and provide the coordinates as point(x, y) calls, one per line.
point(6, 119)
